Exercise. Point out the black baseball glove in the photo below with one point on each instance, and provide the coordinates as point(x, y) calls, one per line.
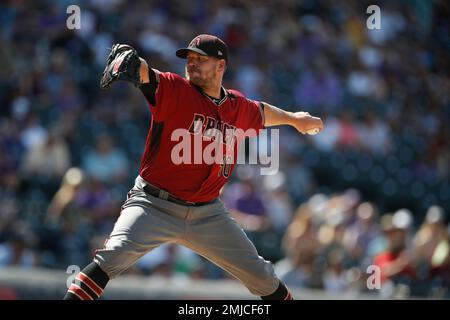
point(123, 64)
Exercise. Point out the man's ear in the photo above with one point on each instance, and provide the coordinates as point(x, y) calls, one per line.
point(222, 65)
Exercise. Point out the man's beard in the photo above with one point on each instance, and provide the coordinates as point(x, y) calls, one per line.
point(197, 80)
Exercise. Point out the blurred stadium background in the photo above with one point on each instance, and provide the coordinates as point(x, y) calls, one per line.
point(372, 189)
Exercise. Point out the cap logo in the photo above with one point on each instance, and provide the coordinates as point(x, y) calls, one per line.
point(195, 42)
point(220, 53)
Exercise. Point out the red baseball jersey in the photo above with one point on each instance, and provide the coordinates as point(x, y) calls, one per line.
point(177, 104)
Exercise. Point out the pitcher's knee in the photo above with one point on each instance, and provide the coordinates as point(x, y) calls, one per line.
point(117, 257)
point(262, 280)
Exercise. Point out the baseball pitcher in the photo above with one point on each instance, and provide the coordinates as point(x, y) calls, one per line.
point(175, 201)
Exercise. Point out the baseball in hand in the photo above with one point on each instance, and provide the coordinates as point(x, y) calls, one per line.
point(313, 131)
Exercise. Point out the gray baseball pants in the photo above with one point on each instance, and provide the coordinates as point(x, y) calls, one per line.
point(146, 222)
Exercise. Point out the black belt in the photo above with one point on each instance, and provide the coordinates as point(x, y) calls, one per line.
point(162, 194)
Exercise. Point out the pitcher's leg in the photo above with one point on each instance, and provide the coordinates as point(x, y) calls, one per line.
point(134, 235)
point(140, 228)
point(221, 240)
point(88, 284)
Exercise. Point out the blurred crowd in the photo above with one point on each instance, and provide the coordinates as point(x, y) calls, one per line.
point(372, 189)
point(345, 246)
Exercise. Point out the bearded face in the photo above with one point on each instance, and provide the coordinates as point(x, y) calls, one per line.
point(201, 70)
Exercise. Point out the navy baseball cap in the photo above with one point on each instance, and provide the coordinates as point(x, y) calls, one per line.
point(206, 45)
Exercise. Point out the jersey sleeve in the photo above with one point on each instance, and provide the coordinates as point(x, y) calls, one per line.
point(252, 116)
point(149, 89)
point(162, 93)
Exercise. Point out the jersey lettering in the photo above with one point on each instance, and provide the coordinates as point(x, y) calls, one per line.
point(197, 123)
point(212, 131)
